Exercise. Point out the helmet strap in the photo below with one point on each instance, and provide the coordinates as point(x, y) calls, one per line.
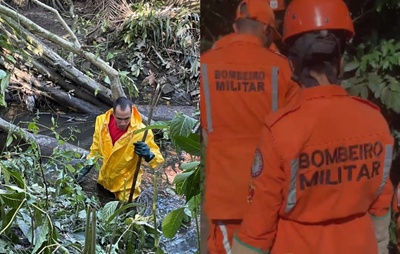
point(307, 48)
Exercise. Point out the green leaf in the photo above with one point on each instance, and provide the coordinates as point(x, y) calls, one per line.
point(26, 229)
point(13, 200)
point(394, 86)
point(385, 96)
point(182, 125)
point(3, 74)
point(393, 59)
point(19, 181)
point(10, 139)
point(108, 210)
point(107, 80)
point(374, 81)
point(194, 202)
point(346, 84)
point(109, 56)
point(115, 214)
point(355, 90)
point(396, 102)
point(180, 178)
point(364, 92)
point(160, 251)
point(156, 125)
point(193, 185)
point(189, 165)
point(44, 230)
point(351, 66)
point(11, 59)
point(172, 222)
point(3, 86)
point(7, 220)
point(190, 144)
point(33, 127)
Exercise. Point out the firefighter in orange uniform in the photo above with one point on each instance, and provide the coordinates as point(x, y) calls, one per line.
point(320, 175)
point(276, 6)
point(241, 83)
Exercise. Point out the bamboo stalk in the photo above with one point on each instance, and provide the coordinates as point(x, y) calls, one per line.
point(156, 95)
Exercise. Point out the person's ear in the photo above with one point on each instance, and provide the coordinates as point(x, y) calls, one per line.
point(235, 28)
point(291, 65)
point(269, 32)
point(341, 67)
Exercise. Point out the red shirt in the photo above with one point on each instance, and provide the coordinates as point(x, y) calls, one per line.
point(115, 133)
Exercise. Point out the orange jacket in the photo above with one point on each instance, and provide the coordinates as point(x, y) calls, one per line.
point(240, 84)
point(274, 48)
point(320, 170)
point(224, 40)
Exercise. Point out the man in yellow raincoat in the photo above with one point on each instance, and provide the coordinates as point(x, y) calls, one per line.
point(119, 147)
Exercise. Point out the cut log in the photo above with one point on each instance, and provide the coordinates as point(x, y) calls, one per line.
point(59, 63)
point(66, 99)
point(23, 22)
point(55, 94)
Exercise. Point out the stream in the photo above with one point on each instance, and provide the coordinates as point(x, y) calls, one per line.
point(185, 241)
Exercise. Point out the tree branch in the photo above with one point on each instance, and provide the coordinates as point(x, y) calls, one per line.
point(116, 86)
point(75, 39)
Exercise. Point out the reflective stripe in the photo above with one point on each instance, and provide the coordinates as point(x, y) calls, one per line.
point(207, 99)
point(225, 242)
point(291, 199)
point(398, 197)
point(386, 167)
point(275, 72)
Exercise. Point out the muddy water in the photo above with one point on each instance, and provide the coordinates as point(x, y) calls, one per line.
point(185, 241)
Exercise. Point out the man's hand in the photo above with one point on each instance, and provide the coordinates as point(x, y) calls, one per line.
point(84, 171)
point(143, 150)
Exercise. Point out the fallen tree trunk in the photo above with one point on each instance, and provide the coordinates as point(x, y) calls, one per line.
point(73, 103)
point(101, 92)
point(55, 94)
point(77, 91)
point(55, 77)
point(45, 143)
point(113, 75)
point(59, 63)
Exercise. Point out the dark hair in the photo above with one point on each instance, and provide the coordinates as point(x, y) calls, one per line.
point(246, 22)
point(122, 102)
point(319, 51)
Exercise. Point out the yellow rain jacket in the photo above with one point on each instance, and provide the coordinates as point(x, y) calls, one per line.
point(119, 161)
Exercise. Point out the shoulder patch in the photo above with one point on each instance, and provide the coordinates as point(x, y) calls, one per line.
point(372, 105)
point(274, 117)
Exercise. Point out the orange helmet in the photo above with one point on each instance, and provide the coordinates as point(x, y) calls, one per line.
point(312, 15)
point(277, 5)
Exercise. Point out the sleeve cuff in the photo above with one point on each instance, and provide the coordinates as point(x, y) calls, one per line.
point(375, 217)
point(150, 157)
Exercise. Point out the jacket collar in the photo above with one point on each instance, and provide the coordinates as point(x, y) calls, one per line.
point(326, 91)
point(244, 38)
point(237, 38)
